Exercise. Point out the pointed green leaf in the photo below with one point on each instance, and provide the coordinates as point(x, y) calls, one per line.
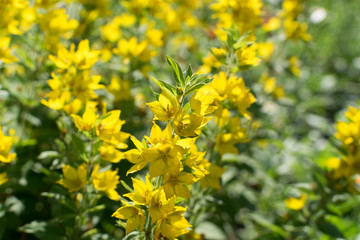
point(164, 86)
point(177, 72)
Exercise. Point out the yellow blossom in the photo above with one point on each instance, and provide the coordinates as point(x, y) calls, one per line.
point(74, 179)
point(296, 203)
point(134, 215)
point(172, 224)
point(109, 153)
point(143, 191)
point(3, 178)
point(109, 130)
point(106, 181)
point(5, 51)
point(87, 121)
point(164, 109)
point(5, 147)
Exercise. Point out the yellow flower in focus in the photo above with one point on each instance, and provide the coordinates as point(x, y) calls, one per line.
point(159, 205)
point(176, 184)
point(143, 191)
point(136, 156)
point(172, 224)
point(134, 215)
point(296, 203)
point(164, 109)
point(74, 179)
point(189, 125)
point(106, 181)
point(109, 130)
point(87, 121)
point(3, 178)
point(203, 101)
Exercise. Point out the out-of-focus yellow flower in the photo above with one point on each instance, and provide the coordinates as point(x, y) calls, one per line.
point(3, 178)
point(106, 181)
point(5, 51)
point(265, 50)
point(212, 179)
point(135, 217)
point(272, 24)
point(247, 56)
point(74, 179)
point(109, 153)
point(294, 65)
point(296, 30)
point(296, 203)
point(5, 147)
point(203, 101)
point(120, 89)
point(83, 58)
point(270, 86)
point(333, 163)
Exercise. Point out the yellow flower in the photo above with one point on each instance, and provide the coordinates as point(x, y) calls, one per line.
point(164, 109)
point(83, 58)
point(333, 163)
point(109, 130)
point(120, 89)
point(189, 125)
point(109, 153)
point(74, 179)
point(143, 191)
point(3, 178)
point(159, 205)
point(5, 54)
point(212, 180)
point(134, 215)
point(172, 224)
point(106, 181)
point(272, 24)
point(202, 102)
point(88, 120)
point(176, 184)
point(136, 156)
point(296, 203)
point(247, 56)
point(162, 157)
point(5, 147)
point(294, 64)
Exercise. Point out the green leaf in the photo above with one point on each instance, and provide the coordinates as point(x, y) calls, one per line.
point(188, 73)
point(165, 86)
point(329, 229)
point(267, 224)
point(48, 154)
point(194, 88)
point(77, 143)
point(177, 72)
